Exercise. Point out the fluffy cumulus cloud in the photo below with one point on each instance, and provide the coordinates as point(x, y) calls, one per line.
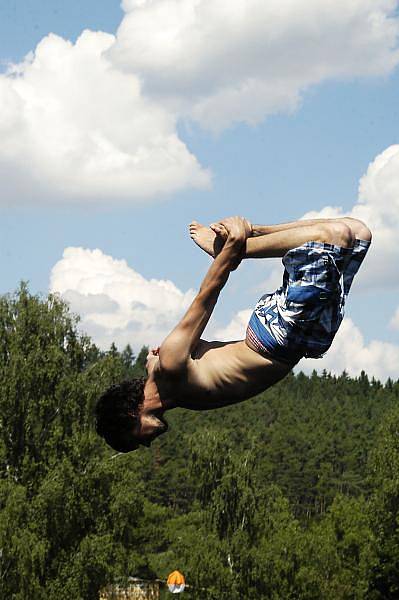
point(117, 304)
point(235, 330)
point(350, 353)
point(219, 61)
point(74, 127)
point(97, 120)
point(378, 206)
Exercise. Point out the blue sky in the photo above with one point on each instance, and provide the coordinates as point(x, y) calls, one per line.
point(289, 163)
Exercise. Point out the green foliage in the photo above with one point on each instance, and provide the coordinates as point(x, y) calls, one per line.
point(338, 553)
point(70, 514)
point(384, 505)
point(292, 495)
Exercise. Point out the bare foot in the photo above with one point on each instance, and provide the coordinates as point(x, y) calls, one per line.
point(207, 239)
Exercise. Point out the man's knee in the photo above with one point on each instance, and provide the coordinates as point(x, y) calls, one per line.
point(360, 229)
point(337, 233)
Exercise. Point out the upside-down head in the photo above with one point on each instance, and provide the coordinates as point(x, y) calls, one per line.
point(117, 414)
point(124, 419)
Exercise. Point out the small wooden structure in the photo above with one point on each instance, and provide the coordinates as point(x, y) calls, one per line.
point(137, 589)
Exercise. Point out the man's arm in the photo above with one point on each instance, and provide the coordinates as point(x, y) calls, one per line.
point(176, 349)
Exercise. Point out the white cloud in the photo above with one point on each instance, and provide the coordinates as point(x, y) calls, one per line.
point(350, 353)
point(219, 61)
point(117, 304)
point(378, 207)
point(73, 127)
point(96, 121)
point(235, 330)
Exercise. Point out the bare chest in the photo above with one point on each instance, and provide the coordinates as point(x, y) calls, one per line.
point(224, 374)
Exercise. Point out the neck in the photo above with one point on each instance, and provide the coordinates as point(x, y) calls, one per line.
point(154, 402)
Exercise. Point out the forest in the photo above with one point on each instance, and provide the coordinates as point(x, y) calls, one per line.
point(291, 495)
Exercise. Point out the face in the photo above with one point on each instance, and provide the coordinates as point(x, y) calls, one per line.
point(149, 428)
point(151, 423)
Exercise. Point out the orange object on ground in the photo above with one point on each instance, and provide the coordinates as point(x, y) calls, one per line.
point(176, 582)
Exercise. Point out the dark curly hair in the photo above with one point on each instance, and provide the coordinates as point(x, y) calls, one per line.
point(117, 413)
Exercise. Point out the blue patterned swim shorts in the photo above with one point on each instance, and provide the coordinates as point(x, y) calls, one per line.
point(301, 318)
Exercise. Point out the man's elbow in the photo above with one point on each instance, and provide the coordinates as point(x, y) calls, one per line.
point(172, 368)
point(172, 363)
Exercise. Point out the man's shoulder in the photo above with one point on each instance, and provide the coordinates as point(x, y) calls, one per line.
point(203, 346)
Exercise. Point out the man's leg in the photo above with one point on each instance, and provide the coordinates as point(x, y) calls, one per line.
point(278, 243)
point(359, 229)
point(266, 243)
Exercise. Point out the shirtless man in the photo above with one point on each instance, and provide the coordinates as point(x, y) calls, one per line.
point(299, 319)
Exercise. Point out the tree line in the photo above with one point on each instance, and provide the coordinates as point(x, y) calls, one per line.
point(291, 495)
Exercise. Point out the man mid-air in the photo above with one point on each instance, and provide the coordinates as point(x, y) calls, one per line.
point(298, 320)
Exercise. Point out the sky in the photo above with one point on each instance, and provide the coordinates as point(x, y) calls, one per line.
point(119, 124)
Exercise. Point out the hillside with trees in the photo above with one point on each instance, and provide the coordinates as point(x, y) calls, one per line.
point(291, 495)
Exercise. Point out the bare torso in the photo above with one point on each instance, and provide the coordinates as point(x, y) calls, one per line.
point(222, 373)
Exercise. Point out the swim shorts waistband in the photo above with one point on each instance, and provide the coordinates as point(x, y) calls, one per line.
point(267, 346)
